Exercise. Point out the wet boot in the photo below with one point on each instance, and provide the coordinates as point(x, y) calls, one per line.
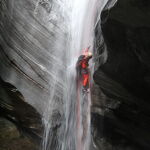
point(85, 89)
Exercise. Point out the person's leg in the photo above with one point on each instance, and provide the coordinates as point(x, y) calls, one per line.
point(85, 82)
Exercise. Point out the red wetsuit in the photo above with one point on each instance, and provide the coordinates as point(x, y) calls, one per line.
point(84, 71)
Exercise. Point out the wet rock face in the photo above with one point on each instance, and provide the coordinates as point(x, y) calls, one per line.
point(14, 108)
point(125, 77)
point(10, 137)
point(29, 31)
point(8, 130)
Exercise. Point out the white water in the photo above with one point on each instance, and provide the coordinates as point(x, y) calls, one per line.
point(67, 115)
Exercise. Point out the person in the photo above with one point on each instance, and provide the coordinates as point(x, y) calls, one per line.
point(83, 73)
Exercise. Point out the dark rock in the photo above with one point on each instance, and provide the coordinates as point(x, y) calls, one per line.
point(124, 78)
point(14, 108)
point(10, 137)
point(8, 130)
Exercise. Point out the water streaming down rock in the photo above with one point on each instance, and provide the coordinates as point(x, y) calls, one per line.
point(40, 41)
point(68, 127)
point(31, 40)
point(83, 19)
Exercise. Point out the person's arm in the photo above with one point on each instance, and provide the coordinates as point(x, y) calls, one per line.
point(79, 62)
point(88, 58)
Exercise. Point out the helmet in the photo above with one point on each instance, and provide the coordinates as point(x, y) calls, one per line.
point(89, 54)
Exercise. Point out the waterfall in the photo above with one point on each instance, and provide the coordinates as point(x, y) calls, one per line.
point(67, 114)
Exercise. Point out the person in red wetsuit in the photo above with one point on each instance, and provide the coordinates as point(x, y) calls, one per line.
point(83, 70)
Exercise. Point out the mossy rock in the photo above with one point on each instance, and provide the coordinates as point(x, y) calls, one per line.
point(8, 130)
point(11, 139)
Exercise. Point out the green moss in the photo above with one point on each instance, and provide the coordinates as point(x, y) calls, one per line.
point(10, 138)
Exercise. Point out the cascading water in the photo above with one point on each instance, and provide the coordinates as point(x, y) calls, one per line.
point(67, 115)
